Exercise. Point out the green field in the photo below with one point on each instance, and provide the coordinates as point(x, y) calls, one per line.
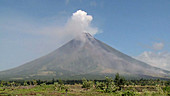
point(108, 87)
point(77, 90)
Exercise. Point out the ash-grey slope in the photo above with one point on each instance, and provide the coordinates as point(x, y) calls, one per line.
point(80, 56)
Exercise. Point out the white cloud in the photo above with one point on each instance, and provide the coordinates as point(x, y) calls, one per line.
point(157, 59)
point(158, 46)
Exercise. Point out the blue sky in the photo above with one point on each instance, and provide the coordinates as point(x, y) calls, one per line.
point(137, 28)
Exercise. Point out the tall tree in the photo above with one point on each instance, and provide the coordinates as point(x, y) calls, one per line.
point(119, 81)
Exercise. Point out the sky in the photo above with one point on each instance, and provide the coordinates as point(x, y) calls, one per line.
point(30, 29)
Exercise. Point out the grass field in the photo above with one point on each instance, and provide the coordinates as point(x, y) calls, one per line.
point(77, 90)
point(108, 87)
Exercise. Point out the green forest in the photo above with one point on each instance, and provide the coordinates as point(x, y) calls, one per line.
point(117, 86)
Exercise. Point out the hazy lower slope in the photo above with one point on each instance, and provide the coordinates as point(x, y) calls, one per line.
point(82, 56)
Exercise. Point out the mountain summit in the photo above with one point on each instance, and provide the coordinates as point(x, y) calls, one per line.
point(83, 56)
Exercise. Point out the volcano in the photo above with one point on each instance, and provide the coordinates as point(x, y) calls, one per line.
point(84, 56)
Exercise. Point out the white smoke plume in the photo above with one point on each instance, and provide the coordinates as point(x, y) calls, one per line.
point(78, 23)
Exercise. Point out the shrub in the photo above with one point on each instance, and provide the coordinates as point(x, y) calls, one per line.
point(119, 81)
point(110, 86)
point(87, 84)
point(145, 92)
point(128, 93)
point(159, 90)
point(167, 83)
point(60, 86)
point(100, 85)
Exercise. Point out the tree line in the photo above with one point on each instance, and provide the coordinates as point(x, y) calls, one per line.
point(118, 81)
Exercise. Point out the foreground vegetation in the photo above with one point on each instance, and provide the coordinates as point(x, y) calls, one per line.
point(108, 87)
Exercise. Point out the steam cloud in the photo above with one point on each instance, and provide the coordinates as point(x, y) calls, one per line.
point(78, 23)
point(83, 21)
